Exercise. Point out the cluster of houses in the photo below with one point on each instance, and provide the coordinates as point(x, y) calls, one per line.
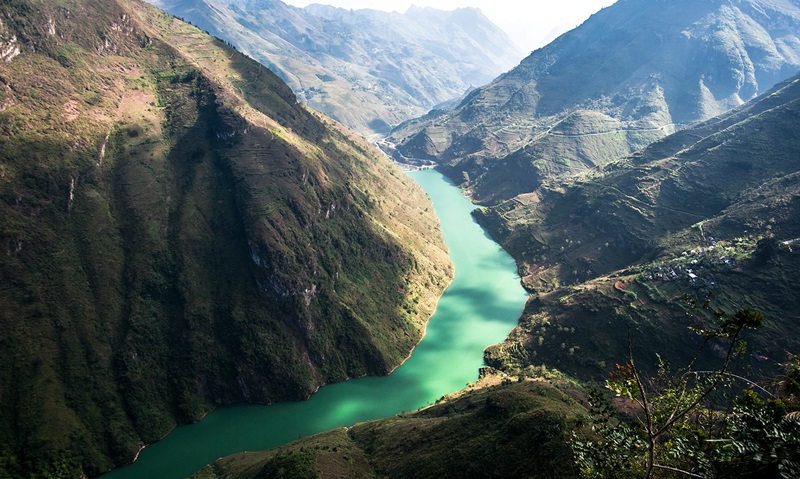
point(694, 265)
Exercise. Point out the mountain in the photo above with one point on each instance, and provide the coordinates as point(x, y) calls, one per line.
point(366, 68)
point(178, 232)
point(610, 255)
point(631, 74)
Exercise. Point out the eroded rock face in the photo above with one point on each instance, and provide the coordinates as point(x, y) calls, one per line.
point(9, 47)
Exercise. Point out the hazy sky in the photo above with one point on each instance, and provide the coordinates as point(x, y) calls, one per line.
point(529, 23)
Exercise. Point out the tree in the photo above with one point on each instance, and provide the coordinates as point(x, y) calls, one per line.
point(694, 423)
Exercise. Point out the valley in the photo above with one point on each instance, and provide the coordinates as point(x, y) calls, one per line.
point(180, 233)
point(480, 306)
point(197, 263)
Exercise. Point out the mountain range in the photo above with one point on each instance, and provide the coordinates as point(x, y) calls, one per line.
point(631, 74)
point(368, 69)
point(178, 232)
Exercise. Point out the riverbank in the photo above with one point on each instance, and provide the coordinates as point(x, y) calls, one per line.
point(499, 427)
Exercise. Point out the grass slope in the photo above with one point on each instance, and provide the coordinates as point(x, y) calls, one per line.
point(508, 430)
point(178, 232)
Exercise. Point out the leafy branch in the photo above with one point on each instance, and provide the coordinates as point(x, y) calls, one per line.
point(678, 429)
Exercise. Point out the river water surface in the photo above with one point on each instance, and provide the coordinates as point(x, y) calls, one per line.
point(478, 309)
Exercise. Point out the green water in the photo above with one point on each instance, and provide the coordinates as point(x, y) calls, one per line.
point(478, 309)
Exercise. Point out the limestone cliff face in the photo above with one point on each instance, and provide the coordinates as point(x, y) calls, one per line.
point(178, 232)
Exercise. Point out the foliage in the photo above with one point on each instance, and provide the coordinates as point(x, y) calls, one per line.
point(692, 423)
point(766, 249)
point(764, 438)
point(616, 454)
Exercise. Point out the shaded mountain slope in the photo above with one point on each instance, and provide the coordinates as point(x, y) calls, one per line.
point(178, 232)
point(366, 68)
point(631, 74)
point(706, 210)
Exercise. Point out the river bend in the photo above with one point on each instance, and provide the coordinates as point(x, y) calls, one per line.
point(479, 308)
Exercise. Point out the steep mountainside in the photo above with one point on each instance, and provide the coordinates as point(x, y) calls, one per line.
point(366, 68)
point(631, 74)
point(711, 209)
point(178, 232)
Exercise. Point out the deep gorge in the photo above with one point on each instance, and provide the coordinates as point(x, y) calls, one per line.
point(481, 305)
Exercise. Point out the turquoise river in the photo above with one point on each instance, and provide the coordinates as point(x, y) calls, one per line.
point(479, 308)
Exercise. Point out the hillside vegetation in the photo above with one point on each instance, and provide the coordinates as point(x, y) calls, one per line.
point(178, 232)
point(369, 69)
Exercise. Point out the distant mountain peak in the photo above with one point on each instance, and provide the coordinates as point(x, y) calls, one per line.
point(394, 66)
